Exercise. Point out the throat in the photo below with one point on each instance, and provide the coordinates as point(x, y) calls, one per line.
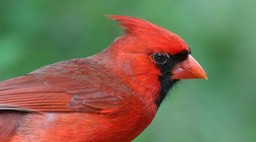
point(166, 84)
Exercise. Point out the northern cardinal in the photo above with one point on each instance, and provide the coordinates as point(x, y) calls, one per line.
point(108, 97)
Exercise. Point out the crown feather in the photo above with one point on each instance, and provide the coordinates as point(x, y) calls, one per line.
point(150, 35)
point(132, 24)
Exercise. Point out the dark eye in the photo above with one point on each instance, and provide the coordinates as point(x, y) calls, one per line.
point(160, 58)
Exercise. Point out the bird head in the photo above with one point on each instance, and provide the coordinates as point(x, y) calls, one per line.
point(152, 55)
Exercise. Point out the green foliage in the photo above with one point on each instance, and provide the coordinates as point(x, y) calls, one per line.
point(221, 34)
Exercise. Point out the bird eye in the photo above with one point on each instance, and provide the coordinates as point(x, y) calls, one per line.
point(160, 59)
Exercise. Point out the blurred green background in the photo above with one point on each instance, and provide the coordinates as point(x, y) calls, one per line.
point(221, 33)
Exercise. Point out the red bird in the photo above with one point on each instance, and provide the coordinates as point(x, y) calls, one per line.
point(109, 97)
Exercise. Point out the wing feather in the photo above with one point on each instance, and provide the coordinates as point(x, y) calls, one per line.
point(62, 87)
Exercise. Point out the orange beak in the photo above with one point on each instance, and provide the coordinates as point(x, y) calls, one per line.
point(188, 69)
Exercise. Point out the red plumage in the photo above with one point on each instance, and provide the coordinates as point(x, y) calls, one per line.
point(111, 96)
